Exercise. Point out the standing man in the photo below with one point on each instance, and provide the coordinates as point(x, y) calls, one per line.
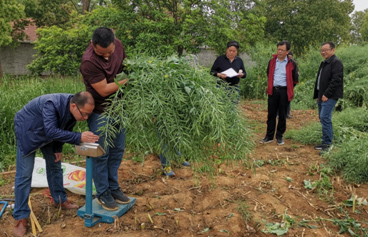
point(101, 62)
point(46, 123)
point(328, 89)
point(282, 75)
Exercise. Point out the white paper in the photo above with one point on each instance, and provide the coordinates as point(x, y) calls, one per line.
point(230, 72)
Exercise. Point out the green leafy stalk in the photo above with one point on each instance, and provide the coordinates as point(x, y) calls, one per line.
point(176, 109)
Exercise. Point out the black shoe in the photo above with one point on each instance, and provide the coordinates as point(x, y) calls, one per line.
point(280, 141)
point(322, 147)
point(266, 140)
point(107, 201)
point(119, 196)
point(289, 116)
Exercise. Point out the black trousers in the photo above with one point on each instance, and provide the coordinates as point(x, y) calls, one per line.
point(277, 102)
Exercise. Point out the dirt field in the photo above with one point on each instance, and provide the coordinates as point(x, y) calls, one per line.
point(237, 202)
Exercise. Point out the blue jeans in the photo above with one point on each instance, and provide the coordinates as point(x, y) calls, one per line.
point(325, 110)
point(105, 167)
point(23, 180)
point(166, 162)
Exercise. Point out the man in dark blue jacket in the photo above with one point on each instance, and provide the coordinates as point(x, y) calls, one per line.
point(328, 89)
point(46, 123)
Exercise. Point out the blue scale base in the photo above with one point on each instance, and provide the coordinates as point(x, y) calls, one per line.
point(101, 215)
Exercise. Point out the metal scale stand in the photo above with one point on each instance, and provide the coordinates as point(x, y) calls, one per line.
point(92, 212)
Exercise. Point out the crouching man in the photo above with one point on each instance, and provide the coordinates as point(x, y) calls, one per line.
point(46, 123)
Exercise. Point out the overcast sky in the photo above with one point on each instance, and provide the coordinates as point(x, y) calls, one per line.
point(360, 5)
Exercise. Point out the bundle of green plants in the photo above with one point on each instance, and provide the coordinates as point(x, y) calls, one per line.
point(17, 92)
point(172, 107)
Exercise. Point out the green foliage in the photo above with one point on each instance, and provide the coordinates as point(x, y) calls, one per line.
point(350, 137)
point(357, 20)
point(10, 11)
point(48, 12)
point(352, 160)
point(17, 92)
point(243, 208)
point(308, 23)
point(279, 228)
point(60, 51)
point(171, 106)
point(155, 28)
point(364, 28)
point(323, 185)
point(255, 84)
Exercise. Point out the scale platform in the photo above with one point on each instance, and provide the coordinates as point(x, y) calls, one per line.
point(93, 212)
point(101, 215)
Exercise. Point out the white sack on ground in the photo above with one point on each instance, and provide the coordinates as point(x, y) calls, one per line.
point(74, 177)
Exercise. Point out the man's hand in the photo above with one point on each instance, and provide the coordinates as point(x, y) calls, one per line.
point(324, 98)
point(58, 156)
point(89, 137)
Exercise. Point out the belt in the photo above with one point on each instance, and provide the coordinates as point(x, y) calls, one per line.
point(279, 87)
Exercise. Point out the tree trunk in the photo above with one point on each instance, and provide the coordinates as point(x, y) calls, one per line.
point(85, 6)
point(180, 50)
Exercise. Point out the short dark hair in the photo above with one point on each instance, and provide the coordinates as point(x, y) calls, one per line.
point(284, 42)
point(233, 43)
point(332, 44)
point(82, 98)
point(103, 36)
point(290, 53)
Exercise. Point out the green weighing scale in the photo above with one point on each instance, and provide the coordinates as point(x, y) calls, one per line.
point(92, 212)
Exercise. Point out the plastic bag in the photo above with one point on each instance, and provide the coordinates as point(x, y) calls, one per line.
point(74, 177)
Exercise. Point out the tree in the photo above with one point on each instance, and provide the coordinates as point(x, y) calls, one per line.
point(161, 28)
point(364, 28)
point(10, 11)
point(308, 22)
point(357, 20)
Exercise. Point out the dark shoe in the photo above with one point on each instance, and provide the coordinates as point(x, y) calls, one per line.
point(119, 197)
point(67, 205)
point(266, 140)
point(20, 227)
point(289, 116)
point(280, 141)
point(168, 171)
point(321, 147)
point(325, 149)
point(107, 201)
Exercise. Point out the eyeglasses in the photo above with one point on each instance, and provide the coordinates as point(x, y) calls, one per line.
point(83, 115)
point(325, 50)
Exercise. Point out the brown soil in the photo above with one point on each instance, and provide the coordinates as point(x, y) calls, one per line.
point(200, 205)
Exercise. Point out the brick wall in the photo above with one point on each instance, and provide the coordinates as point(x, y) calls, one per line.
point(15, 60)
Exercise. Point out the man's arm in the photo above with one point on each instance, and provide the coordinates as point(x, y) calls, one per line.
point(52, 131)
point(336, 79)
point(105, 89)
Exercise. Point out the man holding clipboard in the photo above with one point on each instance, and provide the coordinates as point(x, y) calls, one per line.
point(230, 68)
